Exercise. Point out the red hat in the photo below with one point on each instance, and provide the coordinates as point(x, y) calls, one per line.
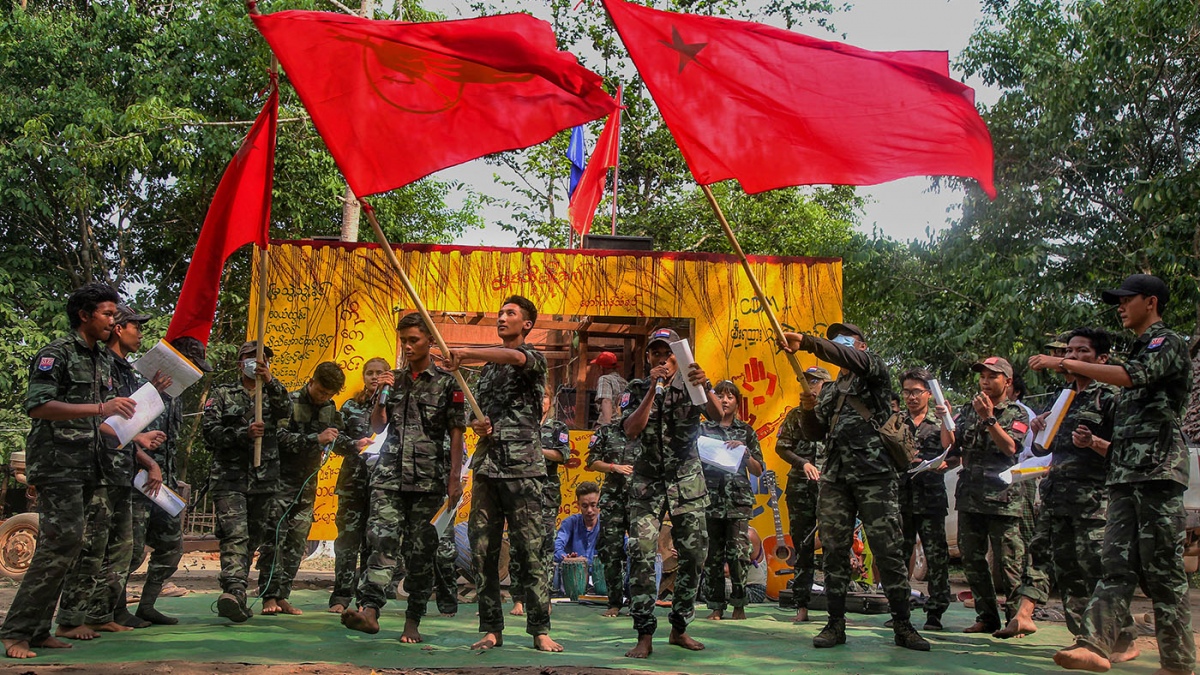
point(604, 360)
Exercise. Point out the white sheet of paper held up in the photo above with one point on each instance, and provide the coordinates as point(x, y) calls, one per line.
point(1055, 419)
point(684, 360)
point(149, 407)
point(1027, 470)
point(940, 399)
point(930, 463)
point(376, 444)
point(714, 451)
point(166, 359)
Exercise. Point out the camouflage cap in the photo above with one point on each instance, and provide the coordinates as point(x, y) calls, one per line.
point(1059, 341)
point(251, 347)
point(995, 364)
point(125, 314)
point(818, 373)
point(194, 350)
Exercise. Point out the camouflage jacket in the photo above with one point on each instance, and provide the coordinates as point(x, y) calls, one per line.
point(1075, 484)
point(730, 494)
point(511, 397)
point(299, 451)
point(610, 445)
point(170, 422)
point(980, 489)
point(853, 449)
point(925, 493)
point(421, 412)
point(1148, 441)
point(668, 444)
point(555, 436)
point(228, 413)
point(67, 370)
point(353, 473)
point(791, 439)
point(117, 464)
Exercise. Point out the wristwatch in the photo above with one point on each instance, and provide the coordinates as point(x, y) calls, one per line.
point(990, 422)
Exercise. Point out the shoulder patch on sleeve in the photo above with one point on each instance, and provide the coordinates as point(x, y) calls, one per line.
point(459, 396)
point(593, 439)
point(563, 437)
point(210, 403)
point(1020, 426)
point(45, 363)
point(1154, 344)
point(625, 400)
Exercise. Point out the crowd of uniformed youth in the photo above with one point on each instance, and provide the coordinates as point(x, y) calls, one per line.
point(1111, 514)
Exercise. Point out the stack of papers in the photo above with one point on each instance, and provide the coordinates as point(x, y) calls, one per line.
point(166, 359)
point(714, 452)
point(149, 407)
point(1027, 470)
point(1055, 419)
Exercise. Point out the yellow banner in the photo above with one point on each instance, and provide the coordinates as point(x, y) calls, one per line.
point(340, 302)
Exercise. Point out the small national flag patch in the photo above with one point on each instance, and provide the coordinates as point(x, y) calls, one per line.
point(563, 437)
point(1156, 343)
point(593, 439)
point(1020, 427)
point(625, 400)
point(45, 363)
point(459, 397)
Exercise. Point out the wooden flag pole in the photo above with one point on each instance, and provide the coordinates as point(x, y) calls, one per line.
point(412, 293)
point(261, 327)
point(762, 297)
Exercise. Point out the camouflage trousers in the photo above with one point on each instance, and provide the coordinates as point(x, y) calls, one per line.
point(401, 520)
point(876, 504)
point(690, 532)
point(286, 538)
point(1144, 533)
point(1035, 578)
point(446, 577)
point(977, 532)
point(517, 501)
point(96, 583)
point(551, 500)
point(801, 498)
point(62, 513)
point(163, 533)
point(610, 547)
point(1075, 558)
point(931, 528)
point(244, 521)
point(349, 548)
point(728, 544)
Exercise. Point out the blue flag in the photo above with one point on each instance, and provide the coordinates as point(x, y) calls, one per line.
point(577, 154)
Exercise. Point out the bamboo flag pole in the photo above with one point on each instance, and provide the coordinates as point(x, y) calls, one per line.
point(412, 293)
point(762, 297)
point(258, 353)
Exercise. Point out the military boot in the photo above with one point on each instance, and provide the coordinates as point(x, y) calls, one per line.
point(833, 634)
point(232, 606)
point(908, 637)
point(146, 610)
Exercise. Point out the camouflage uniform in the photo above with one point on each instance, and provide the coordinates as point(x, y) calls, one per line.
point(408, 485)
point(989, 511)
point(610, 445)
point(446, 583)
point(352, 489)
point(63, 465)
point(300, 457)
point(243, 494)
point(923, 509)
point(554, 436)
point(152, 526)
point(801, 496)
point(859, 480)
point(731, 501)
point(667, 476)
point(1147, 475)
point(509, 473)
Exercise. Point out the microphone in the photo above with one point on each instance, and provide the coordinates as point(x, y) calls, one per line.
point(658, 385)
point(381, 396)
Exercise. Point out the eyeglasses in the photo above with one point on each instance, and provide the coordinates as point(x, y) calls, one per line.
point(913, 393)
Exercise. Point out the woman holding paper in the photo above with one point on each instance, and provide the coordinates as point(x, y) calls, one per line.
point(731, 501)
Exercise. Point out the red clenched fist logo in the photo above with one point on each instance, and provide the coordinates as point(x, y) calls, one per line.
point(759, 385)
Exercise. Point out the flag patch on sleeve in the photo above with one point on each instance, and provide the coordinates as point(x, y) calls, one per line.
point(563, 437)
point(625, 400)
point(1020, 427)
point(592, 440)
point(1154, 344)
point(46, 363)
point(459, 397)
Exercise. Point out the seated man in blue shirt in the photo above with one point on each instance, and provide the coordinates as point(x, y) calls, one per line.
point(578, 533)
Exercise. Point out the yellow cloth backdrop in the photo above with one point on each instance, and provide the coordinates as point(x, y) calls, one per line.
point(331, 301)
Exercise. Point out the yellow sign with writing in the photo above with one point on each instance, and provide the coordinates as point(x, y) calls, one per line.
point(332, 301)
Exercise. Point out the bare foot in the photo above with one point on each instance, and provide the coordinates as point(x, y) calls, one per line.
point(717, 615)
point(489, 641)
point(611, 612)
point(684, 640)
point(449, 615)
point(110, 627)
point(76, 633)
point(52, 642)
point(801, 615)
point(365, 620)
point(18, 649)
point(336, 609)
point(411, 635)
point(1170, 671)
point(543, 643)
point(518, 609)
point(643, 649)
point(978, 627)
point(285, 607)
point(1082, 658)
point(739, 614)
point(1130, 653)
point(270, 607)
point(1017, 627)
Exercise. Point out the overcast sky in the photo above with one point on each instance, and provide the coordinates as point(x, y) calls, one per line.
point(904, 208)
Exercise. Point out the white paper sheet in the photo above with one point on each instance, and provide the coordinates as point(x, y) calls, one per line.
point(940, 399)
point(684, 360)
point(1027, 470)
point(149, 407)
point(713, 451)
point(167, 499)
point(444, 518)
point(376, 443)
point(1055, 419)
point(166, 359)
point(930, 463)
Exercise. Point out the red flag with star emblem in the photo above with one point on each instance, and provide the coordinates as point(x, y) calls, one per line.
point(772, 108)
point(397, 101)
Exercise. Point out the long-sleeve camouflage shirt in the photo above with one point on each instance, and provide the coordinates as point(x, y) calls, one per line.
point(228, 413)
point(610, 445)
point(980, 489)
point(730, 494)
point(352, 476)
point(117, 464)
point(511, 397)
point(668, 453)
point(925, 493)
point(67, 370)
point(299, 450)
point(1075, 485)
point(1148, 441)
point(170, 422)
point(421, 412)
point(555, 436)
point(791, 440)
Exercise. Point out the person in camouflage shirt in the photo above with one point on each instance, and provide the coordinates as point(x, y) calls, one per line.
point(731, 501)
point(859, 479)
point(1147, 475)
point(353, 490)
point(313, 430)
point(510, 469)
point(70, 393)
point(611, 453)
point(658, 413)
point(556, 449)
point(923, 501)
point(418, 470)
point(242, 493)
point(805, 459)
point(988, 439)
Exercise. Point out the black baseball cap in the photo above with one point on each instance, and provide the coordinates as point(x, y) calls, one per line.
point(194, 350)
point(125, 314)
point(844, 329)
point(1139, 284)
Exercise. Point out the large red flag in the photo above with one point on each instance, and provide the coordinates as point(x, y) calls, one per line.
point(591, 184)
point(772, 108)
point(397, 101)
point(239, 214)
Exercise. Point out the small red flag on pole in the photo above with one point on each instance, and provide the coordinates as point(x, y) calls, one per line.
point(590, 189)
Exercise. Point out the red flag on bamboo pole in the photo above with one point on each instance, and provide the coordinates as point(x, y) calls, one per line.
point(589, 190)
point(239, 214)
point(772, 108)
point(397, 101)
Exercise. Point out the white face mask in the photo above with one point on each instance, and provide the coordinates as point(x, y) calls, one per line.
point(847, 340)
point(249, 366)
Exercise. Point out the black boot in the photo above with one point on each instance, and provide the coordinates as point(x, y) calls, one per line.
point(146, 610)
point(122, 616)
point(232, 605)
point(908, 637)
point(833, 634)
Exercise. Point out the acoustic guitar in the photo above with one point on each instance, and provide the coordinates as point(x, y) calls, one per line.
point(779, 548)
